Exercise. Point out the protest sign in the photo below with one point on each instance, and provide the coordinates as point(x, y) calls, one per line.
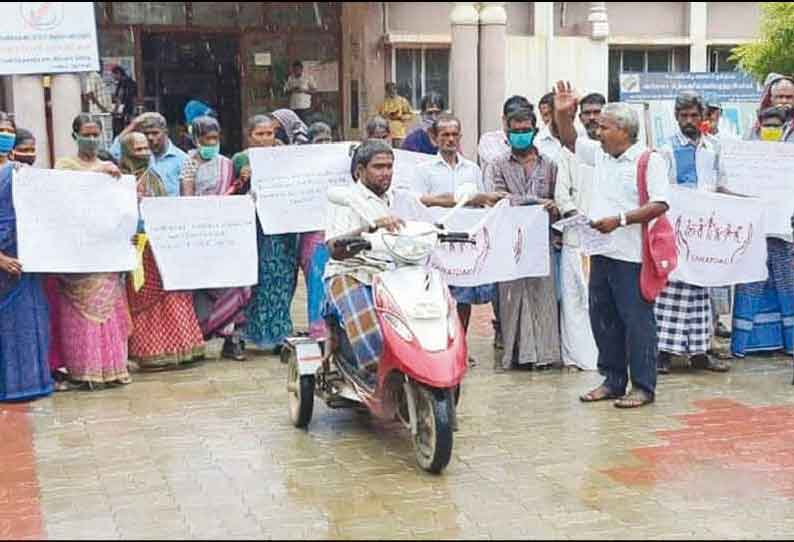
point(74, 222)
point(203, 242)
point(406, 169)
point(291, 183)
point(513, 244)
point(47, 37)
point(763, 169)
point(720, 239)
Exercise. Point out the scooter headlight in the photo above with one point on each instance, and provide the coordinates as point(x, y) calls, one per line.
point(412, 249)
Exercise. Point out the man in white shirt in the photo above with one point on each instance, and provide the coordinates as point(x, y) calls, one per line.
point(444, 175)
point(623, 323)
point(300, 88)
point(572, 195)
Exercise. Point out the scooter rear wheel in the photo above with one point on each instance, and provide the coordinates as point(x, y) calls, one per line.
point(301, 394)
point(433, 441)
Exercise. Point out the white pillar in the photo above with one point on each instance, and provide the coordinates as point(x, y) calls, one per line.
point(698, 29)
point(464, 92)
point(596, 71)
point(26, 100)
point(544, 35)
point(65, 107)
point(493, 58)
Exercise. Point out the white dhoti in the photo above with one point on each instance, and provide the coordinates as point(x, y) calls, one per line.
point(578, 344)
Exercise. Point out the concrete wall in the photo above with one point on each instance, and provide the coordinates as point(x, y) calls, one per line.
point(575, 18)
point(363, 61)
point(656, 19)
point(581, 61)
point(520, 18)
point(728, 20)
point(419, 18)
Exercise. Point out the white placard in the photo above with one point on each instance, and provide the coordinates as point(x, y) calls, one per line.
point(203, 242)
point(47, 37)
point(720, 239)
point(74, 221)
point(513, 244)
point(763, 169)
point(291, 184)
point(406, 169)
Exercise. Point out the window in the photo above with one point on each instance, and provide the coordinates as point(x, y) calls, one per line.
point(149, 13)
point(420, 71)
point(719, 59)
point(650, 60)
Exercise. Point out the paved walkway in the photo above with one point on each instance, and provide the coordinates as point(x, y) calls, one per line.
point(209, 452)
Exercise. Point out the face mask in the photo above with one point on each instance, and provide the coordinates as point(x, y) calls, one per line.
point(208, 152)
point(87, 145)
point(771, 133)
point(28, 159)
point(7, 142)
point(521, 140)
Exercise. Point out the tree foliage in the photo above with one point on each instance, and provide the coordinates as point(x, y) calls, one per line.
point(774, 50)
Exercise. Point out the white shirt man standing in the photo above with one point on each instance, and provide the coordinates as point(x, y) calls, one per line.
point(300, 88)
point(573, 193)
point(623, 322)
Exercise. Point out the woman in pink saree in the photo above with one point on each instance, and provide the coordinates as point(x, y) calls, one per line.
point(93, 321)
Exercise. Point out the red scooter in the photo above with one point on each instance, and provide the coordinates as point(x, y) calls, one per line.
point(425, 355)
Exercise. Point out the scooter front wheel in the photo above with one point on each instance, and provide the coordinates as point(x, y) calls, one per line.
point(301, 394)
point(433, 440)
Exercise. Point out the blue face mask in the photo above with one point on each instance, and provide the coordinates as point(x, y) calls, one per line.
point(7, 142)
point(521, 141)
point(208, 152)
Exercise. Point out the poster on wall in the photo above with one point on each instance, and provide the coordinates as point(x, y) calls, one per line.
point(47, 37)
point(325, 74)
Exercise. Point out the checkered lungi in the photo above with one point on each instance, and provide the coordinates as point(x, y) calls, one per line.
point(351, 301)
point(683, 317)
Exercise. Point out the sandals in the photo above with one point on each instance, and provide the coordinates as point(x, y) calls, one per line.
point(703, 362)
point(635, 399)
point(601, 393)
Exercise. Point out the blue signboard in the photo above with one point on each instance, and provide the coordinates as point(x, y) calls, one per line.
point(726, 87)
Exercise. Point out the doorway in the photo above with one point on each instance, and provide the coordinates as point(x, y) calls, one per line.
point(191, 65)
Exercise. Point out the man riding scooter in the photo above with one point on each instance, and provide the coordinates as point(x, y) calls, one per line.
point(349, 272)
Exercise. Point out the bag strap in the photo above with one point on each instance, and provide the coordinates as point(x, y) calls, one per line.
point(642, 189)
point(642, 177)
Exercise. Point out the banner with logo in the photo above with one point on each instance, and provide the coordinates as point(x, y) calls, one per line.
point(513, 243)
point(47, 37)
point(720, 239)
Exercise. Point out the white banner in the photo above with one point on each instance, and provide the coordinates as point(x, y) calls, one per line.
point(291, 182)
point(75, 222)
point(763, 169)
point(203, 242)
point(720, 238)
point(47, 37)
point(513, 244)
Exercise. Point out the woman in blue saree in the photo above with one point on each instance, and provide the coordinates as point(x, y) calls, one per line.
point(24, 325)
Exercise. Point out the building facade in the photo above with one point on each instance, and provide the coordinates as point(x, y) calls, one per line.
point(235, 56)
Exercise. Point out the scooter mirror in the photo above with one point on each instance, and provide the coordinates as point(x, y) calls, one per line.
point(339, 195)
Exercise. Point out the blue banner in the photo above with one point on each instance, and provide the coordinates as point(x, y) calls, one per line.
point(725, 87)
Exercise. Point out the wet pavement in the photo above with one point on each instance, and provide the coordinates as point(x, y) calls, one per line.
point(209, 452)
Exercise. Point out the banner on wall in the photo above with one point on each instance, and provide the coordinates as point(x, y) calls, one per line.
point(47, 37)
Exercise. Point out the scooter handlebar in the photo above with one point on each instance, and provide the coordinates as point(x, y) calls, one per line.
point(456, 237)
